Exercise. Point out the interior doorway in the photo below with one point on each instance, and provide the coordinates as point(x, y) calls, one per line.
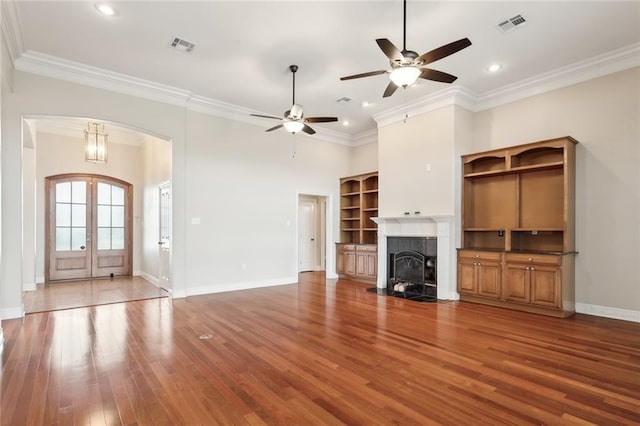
point(88, 227)
point(164, 244)
point(312, 233)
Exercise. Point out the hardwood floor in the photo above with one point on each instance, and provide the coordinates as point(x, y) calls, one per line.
point(316, 353)
point(78, 294)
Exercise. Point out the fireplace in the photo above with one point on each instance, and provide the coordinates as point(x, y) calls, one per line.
point(437, 234)
point(412, 268)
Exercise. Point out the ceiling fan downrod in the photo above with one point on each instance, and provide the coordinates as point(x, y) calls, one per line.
point(293, 69)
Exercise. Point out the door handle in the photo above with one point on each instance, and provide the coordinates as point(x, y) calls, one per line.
point(313, 239)
point(82, 247)
point(160, 243)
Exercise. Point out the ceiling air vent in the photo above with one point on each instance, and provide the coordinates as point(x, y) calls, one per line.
point(511, 23)
point(343, 100)
point(182, 45)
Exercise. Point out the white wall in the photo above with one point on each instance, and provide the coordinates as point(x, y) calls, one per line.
point(243, 185)
point(604, 116)
point(405, 153)
point(57, 154)
point(364, 159)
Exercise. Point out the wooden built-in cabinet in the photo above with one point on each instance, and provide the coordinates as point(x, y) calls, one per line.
point(356, 253)
point(518, 227)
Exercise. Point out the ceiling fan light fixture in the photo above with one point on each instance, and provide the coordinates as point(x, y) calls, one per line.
point(405, 76)
point(293, 126)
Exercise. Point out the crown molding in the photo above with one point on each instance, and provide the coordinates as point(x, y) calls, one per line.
point(12, 29)
point(579, 72)
point(611, 62)
point(454, 95)
point(62, 69)
point(363, 138)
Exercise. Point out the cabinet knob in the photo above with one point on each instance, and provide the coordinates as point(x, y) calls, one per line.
point(527, 268)
point(477, 255)
point(533, 269)
point(530, 259)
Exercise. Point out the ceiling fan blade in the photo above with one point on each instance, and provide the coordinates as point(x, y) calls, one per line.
point(366, 74)
point(391, 88)
point(308, 130)
point(436, 75)
point(266, 116)
point(275, 127)
point(390, 50)
point(444, 51)
point(320, 119)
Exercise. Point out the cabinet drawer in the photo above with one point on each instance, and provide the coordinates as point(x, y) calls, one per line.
point(544, 259)
point(480, 255)
point(345, 247)
point(367, 248)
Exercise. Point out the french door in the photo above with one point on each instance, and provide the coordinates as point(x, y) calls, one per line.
point(88, 227)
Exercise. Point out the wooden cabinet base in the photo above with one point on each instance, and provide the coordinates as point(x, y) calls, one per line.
point(518, 306)
point(357, 262)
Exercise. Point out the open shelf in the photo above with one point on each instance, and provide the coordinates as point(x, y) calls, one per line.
point(537, 240)
point(492, 240)
point(358, 204)
point(538, 156)
point(484, 165)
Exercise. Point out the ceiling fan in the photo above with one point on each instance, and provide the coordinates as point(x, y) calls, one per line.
point(407, 66)
point(294, 120)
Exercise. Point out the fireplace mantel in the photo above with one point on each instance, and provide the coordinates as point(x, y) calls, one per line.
point(440, 226)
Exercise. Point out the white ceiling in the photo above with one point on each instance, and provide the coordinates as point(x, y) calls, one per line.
point(244, 48)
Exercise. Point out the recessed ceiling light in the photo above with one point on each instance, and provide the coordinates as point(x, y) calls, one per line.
point(345, 123)
point(365, 104)
point(105, 9)
point(494, 67)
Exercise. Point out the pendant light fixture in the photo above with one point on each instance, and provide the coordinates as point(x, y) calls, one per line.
point(95, 138)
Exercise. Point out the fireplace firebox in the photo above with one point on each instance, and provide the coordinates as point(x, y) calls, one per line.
point(412, 268)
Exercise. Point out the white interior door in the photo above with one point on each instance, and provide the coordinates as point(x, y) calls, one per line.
point(307, 234)
point(164, 243)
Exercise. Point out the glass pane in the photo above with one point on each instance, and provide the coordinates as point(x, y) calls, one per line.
point(79, 192)
point(104, 193)
point(104, 238)
point(104, 216)
point(117, 216)
point(63, 214)
point(78, 215)
point(117, 238)
point(63, 192)
point(78, 238)
point(63, 239)
point(117, 196)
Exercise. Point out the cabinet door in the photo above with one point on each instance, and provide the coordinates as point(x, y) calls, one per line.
point(516, 285)
point(467, 279)
point(489, 279)
point(349, 263)
point(545, 286)
point(371, 268)
point(340, 263)
point(361, 264)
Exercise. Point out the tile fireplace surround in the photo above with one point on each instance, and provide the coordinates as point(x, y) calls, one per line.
point(421, 226)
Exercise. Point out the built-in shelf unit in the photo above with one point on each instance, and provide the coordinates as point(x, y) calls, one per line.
point(521, 200)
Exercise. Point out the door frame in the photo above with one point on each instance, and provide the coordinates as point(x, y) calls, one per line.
point(47, 218)
point(327, 235)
